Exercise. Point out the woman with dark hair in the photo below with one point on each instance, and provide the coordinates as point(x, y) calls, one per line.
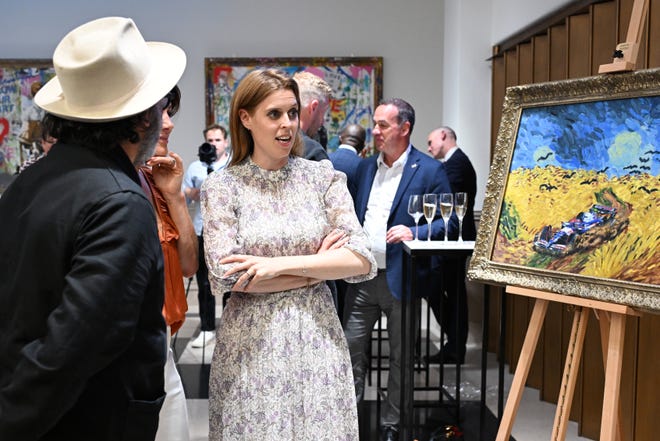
point(275, 227)
point(161, 179)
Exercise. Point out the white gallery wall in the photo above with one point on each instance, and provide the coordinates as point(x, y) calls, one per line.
point(434, 52)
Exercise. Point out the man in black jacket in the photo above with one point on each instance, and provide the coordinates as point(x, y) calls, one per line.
point(453, 317)
point(82, 334)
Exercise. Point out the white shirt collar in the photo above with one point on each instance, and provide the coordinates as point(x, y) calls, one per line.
point(347, 147)
point(400, 162)
point(449, 153)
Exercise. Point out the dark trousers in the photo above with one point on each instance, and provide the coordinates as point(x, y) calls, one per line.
point(448, 290)
point(363, 305)
point(204, 295)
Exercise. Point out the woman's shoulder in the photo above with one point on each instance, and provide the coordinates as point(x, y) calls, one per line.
point(323, 167)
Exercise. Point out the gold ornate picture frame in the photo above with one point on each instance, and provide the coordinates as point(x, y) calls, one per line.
point(572, 202)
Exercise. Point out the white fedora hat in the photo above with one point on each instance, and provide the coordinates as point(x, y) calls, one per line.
point(106, 71)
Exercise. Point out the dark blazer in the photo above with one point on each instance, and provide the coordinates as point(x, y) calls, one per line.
point(346, 161)
point(421, 174)
point(82, 334)
point(314, 151)
point(462, 177)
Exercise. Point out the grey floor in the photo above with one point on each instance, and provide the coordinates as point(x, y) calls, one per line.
point(533, 422)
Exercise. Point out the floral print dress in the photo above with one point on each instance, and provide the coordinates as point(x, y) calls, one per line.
point(281, 368)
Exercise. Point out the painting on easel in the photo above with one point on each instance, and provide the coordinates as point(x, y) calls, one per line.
point(572, 204)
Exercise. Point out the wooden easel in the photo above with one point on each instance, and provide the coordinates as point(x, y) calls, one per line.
point(625, 55)
point(612, 318)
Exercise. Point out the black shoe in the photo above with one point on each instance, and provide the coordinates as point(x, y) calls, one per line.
point(389, 433)
point(444, 357)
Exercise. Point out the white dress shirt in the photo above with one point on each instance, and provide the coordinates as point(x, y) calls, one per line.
point(383, 190)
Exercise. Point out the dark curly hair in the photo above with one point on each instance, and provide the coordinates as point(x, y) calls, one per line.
point(104, 136)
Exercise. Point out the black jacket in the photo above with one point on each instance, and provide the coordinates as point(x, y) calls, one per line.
point(82, 335)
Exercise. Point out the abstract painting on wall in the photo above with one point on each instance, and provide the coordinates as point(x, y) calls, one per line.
point(355, 81)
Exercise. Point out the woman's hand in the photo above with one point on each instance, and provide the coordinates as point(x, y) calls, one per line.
point(168, 174)
point(254, 268)
point(337, 238)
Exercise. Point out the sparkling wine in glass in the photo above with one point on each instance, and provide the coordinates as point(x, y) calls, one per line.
point(446, 206)
point(430, 204)
point(415, 210)
point(460, 205)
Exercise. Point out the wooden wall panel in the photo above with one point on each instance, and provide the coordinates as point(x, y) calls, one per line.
point(647, 404)
point(592, 383)
point(525, 63)
point(541, 59)
point(558, 61)
point(497, 100)
point(604, 41)
point(653, 36)
point(629, 378)
point(511, 68)
point(579, 46)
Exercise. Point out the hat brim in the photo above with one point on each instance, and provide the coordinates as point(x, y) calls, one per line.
point(168, 64)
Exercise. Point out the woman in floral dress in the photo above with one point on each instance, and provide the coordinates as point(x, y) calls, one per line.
point(276, 226)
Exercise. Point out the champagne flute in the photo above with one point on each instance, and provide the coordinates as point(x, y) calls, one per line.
point(460, 205)
point(415, 210)
point(430, 204)
point(446, 206)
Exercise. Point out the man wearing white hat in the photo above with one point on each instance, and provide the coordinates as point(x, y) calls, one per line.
point(82, 334)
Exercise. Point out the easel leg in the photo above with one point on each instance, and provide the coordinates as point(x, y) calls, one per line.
point(573, 358)
point(610, 429)
point(522, 370)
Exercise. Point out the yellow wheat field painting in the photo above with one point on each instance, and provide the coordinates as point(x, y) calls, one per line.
point(582, 191)
point(572, 202)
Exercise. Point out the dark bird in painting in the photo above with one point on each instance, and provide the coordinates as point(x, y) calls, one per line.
point(544, 157)
point(588, 181)
point(647, 190)
point(547, 187)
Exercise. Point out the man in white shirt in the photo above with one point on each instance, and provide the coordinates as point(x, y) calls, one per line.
point(384, 184)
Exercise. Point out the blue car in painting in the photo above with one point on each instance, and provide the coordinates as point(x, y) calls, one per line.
point(577, 233)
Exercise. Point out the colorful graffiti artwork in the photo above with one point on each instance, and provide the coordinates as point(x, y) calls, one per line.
point(19, 116)
point(356, 82)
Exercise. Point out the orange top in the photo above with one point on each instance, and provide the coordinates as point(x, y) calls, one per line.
point(175, 304)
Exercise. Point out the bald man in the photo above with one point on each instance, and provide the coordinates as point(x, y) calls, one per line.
point(347, 156)
point(462, 178)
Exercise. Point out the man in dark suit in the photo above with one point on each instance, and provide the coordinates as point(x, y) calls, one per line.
point(385, 183)
point(314, 102)
point(462, 178)
point(347, 157)
point(82, 334)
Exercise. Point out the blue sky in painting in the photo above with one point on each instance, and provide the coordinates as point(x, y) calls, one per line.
point(617, 137)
